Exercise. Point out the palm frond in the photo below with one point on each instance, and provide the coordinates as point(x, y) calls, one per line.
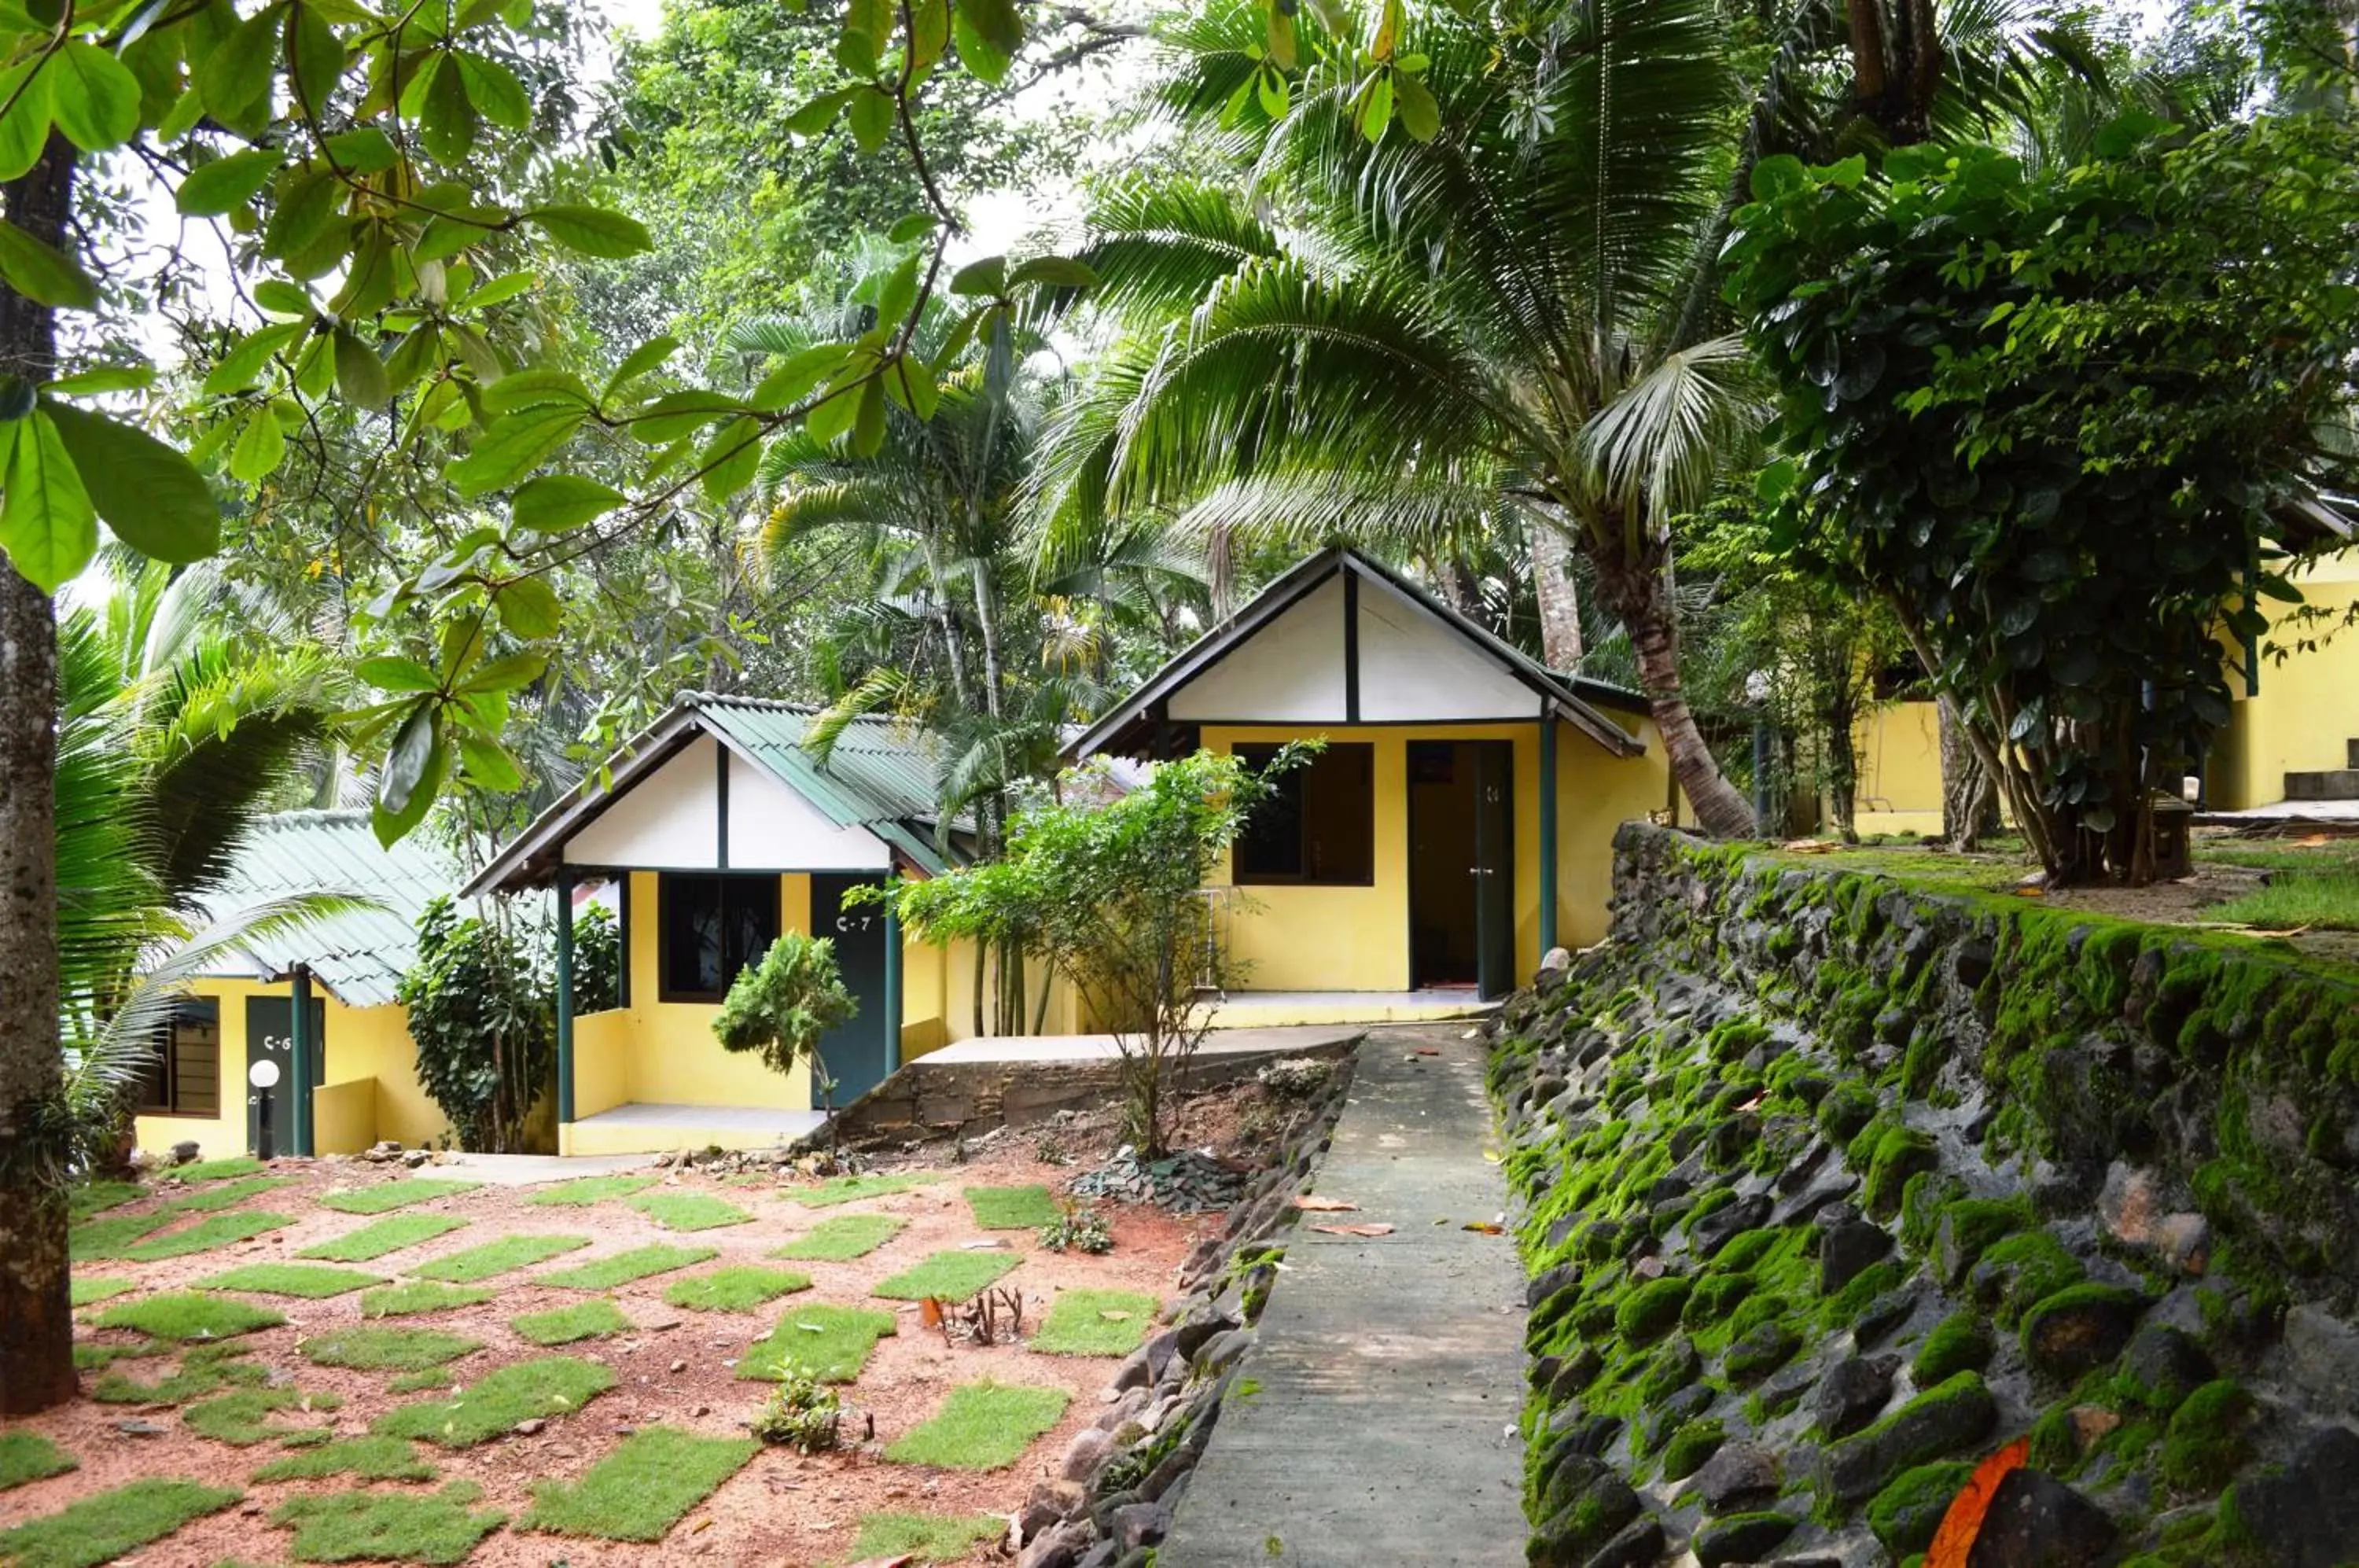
point(1655, 448)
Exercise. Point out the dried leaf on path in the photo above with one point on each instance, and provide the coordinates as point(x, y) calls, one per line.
point(1484, 1227)
point(1353, 1229)
point(1313, 1202)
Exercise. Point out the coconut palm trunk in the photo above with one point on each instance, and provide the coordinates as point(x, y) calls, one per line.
point(37, 1368)
point(1640, 597)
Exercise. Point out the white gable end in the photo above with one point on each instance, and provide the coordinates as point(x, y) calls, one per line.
point(667, 820)
point(1289, 671)
point(1415, 667)
point(772, 828)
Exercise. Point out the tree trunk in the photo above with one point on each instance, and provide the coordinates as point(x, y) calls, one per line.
point(37, 1368)
point(1639, 595)
point(1969, 798)
point(1559, 596)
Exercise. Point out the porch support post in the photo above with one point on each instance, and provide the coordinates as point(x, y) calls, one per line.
point(564, 995)
point(299, 1077)
point(892, 990)
point(1547, 832)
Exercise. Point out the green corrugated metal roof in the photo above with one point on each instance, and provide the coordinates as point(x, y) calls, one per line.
point(880, 775)
point(359, 954)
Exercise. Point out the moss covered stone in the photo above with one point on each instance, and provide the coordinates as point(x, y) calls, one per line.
point(1714, 1298)
point(1907, 1512)
point(1674, 1366)
point(2022, 1270)
point(2204, 1446)
point(1901, 1152)
point(1761, 1352)
point(1694, 1442)
point(1939, 1422)
point(2080, 1328)
point(1652, 1310)
point(1849, 1106)
point(1741, 1538)
point(1967, 1227)
point(1956, 1345)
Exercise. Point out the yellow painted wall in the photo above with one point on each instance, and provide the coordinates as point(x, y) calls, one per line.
point(369, 1089)
point(1356, 939)
point(1899, 770)
point(2307, 713)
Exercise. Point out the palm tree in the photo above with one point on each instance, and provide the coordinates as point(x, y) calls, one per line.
point(185, 714)
point(1428, 336)
point(963, 628)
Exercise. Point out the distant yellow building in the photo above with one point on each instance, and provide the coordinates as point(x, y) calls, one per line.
point(1460, 821)
point(354, 1081)
point(2294, 733)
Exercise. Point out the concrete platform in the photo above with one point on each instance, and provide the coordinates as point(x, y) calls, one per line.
point(1391, 1370)
point(654, 1128)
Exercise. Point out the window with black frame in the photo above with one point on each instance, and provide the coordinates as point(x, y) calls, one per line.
point(1318, 828)
point(712, 928)
point(182, 1075)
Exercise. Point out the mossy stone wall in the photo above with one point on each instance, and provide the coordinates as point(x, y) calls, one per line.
point(1829, 1185)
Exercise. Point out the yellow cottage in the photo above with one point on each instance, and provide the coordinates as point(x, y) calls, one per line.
point(315, 1004)
point(1460, 821)
point(714, 831)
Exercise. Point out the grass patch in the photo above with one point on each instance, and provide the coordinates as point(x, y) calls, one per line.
point(2340, 855)
point(605, 1273)
point(689, 1211)
point(418, 1382)
point(419, 1296)
point(389, 1527)
point(497, 1258)
point(88, 1292)
point(94, 1240)
point(214, 1230)
point(88, 1355)
point(586, 1319)
point(103, 1527)
point(373, 1241)
point(213, 1200)
point(928, 1538)
point(851, 1189)
point(839, 1239)
point(185, 1315)
point(831, 1343)
point(207, 1369)
point(243, 1419)
point(950, 1276)
point(584, 1191)
point(641, 1489)
point(28, 1456)
point(227, 1169)
point(740, 1289)
point(307, 1280)
point(1012, 1208)
point(366, 1458)
point(2321, 900)
point(387, 1197)
point(97, 1197)
point(1095, 1322)
point(981, 1426)
point(553, 1386)
point(387, 1349)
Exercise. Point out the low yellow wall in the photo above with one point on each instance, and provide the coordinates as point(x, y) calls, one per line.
point(1356, 939)
point(343, 1116)
point(369, 1089)
point(2306, 711)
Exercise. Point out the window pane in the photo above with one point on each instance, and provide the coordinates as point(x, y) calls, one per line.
point(196, 1060)
point(690, 912)
point(1271, 848)
point(753, 904)
point(1320, 826)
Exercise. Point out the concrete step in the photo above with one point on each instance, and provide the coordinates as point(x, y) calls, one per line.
point(2328, 784)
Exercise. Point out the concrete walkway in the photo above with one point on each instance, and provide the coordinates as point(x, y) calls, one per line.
point(1390, 1370)
point(1102, 1046)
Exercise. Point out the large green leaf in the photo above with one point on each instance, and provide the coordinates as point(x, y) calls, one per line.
point(47, 524)
point(411, 777)
point(94, 97)
point(152, 497)
point(512, 448)
point(25, 128)
point(212, 189)
point(237, 75)
point(591, 231)
point(40, 272)
point(555, 502)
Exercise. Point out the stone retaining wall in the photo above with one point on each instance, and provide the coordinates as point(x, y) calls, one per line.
point(1829, 1186)
point(1122, 1477)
